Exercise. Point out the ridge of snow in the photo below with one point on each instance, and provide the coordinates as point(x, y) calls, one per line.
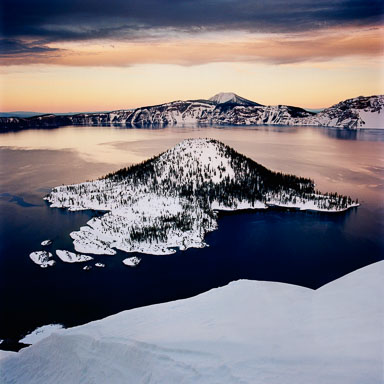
point(246, 332)
point(40, 333)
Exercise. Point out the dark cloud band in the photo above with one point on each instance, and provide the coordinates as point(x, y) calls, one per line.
point(70, 20)
point(16, 47)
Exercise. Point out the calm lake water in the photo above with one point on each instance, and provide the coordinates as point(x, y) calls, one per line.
point(309, 249)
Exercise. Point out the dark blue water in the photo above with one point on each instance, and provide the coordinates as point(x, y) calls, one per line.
point(307, 249)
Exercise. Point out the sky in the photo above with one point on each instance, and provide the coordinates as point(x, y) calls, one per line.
point(98, 55)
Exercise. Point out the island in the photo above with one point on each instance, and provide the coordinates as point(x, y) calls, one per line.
point(42, 258)
point(71, 257)
point(132, 261)
point(171, 201)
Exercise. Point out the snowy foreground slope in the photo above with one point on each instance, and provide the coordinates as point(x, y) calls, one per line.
point(221, 109)
point(172, 200)
point(246, 332)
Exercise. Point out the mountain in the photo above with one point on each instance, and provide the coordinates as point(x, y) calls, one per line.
point(221, 109)
point(231, 98)
point(19, 114)
point(172, 199)
point(360, 112)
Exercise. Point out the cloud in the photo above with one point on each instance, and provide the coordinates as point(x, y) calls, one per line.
point(36, 31)
point(71, 20)
point(10, 47)
point(275, 49)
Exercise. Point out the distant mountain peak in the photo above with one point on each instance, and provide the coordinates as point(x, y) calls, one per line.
point(223, 97)
point(231, 98)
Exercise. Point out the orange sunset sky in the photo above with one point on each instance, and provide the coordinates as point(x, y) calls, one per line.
point(70, 56)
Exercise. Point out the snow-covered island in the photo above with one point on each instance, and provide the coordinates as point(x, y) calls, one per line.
point(71, 257)
point(171, 200)
point(42, 258)
point(244, 333)
point(132, 261)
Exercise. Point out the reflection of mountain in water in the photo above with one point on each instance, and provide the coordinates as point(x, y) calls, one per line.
point(348, 134)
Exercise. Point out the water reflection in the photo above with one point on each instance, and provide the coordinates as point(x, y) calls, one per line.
point(338, 160)
point(348, 134)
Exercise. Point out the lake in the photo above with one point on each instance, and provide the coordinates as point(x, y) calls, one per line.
point(308, 249)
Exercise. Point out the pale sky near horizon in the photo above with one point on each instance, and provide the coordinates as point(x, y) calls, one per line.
point(92, 56)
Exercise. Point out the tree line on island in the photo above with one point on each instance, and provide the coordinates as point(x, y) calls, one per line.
point(252, 182)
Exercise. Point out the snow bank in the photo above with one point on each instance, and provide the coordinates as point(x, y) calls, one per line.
point(40, 333)
point(245, 332)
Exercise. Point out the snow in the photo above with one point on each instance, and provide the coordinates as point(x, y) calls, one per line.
point(42, 258)
point(230, 97)
point(356, 113)
point(70, 257)
point(246, 332)
point(132, 261)
point(223, 97)
point(46, 243)
point(372, 120)
point(99, 265)
point(238, 205)
point(135, 208)
point(40, 333)
point(4, 354)
point(305, 205)
point(87, 241)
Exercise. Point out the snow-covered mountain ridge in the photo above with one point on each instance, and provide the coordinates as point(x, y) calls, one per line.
point(221, 109)
point(171, 200)
point(360, 112)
